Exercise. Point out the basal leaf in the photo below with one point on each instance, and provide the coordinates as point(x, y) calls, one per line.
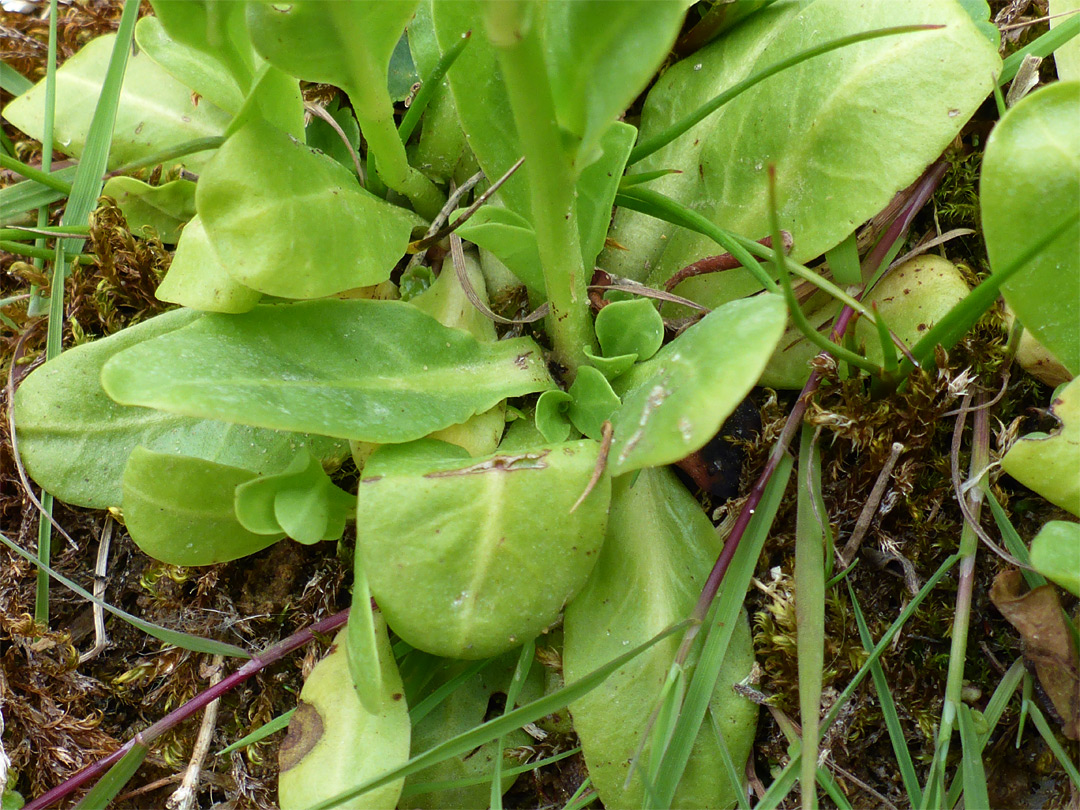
point(597, 186)
point(197, 279)
point(864, 122)
point(600, 55)
point(551, 415)
point(592, 402)
point(1032, 165)
point(612, 367)
point(290, 222)
point(1055, 553)
point(155, 111)
point(630, 327)
point(207, 77)
point(459, 557)
point(274, 99)
point(480, 97)
point(75, 440)
point(1047, 463)
point(216, 30)
point(377, 371)
point(165, 208)
point(301, 501)
point(335, 743)
point(511, 238)
point(465, 709)
point(681, 397)
point(179, 509)
point(659, 549)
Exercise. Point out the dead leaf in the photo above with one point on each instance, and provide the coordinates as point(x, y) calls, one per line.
point(1038, 617)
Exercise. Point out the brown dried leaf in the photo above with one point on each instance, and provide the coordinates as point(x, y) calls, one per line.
point(1038, 617)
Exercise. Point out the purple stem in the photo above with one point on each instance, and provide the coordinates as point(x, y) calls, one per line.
point(919, 192)
point(200, 701)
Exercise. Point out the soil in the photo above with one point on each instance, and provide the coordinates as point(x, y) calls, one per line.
point(60, 715)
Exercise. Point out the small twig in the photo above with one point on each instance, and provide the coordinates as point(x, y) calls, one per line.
point(315, 109)
point(866, 516)
point(444, 214)
point(183, 798)
point(637, 288)
point(1037, 20)
point(958, 487)
point(101, 569)
point(601, 464)
point(718, 264)
point(858, 782)
point(457, 254)
point(997, 397)
point(948, 236)
point(442, 233)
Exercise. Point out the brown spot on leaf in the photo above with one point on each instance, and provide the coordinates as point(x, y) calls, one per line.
point(305, 731)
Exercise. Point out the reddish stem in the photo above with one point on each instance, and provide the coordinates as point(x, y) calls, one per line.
point(718, 264)
point(197, 703)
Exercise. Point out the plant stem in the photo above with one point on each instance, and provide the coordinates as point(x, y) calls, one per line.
point(192, 707)
point(511, 29)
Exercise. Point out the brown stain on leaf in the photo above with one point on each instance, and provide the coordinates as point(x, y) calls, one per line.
point(1038, 617)
point(305, 730)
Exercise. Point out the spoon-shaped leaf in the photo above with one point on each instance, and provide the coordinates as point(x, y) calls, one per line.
point(659, 549)
point(470, 557)
point(75, 440)
point(179, 509)
point(334, 742)
point(1032, 165)
point(290, 222)
point(376, 371)
point(678, 400)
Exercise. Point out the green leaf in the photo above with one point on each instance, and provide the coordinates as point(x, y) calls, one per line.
point(75, 440)
point(216, 30)
point(465, 709)
point(1055, 553)
point(207, 77)
point(402, 73)
point(499, 726)
point(179, 509)
point(481, 99)
point(320, 135)
point(979, 11)
point(971, 766)
point(459, 558)
point(1067, 55)
point(154, 112)
point(165, 208)
point(678, 400)
point(1047, 463)
point(593, 402)
point(597, 186)
point(511, 238)
point(376, 371)
point(612, 367)
point(1032, 164)
point(879, 117)
point(274, 99)
point(301, 501)
point(630, 327)
point(600, 55)
point(197, 278)
point(335, 743)
point(291, 222)
point(551, 415)
point(659, 549)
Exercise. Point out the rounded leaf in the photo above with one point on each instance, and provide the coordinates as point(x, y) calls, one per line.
point(469, 558)
point(1030, 179)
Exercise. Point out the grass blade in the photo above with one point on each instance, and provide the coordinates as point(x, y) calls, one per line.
point(29, 194)
point(724, 616)
point(521, 672)
point(729, 765)
point(429, 87)
point(1043, 46)
point(41, 176)
point(261, 733)
point(1051, 742)
point(114, 779)
point(971, 765)
point(468, 781)
point(12, 81)
point(468, 740)
point(174, 637)
point(810, 530)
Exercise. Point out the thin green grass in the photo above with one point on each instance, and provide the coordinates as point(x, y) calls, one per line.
point(521, 672)
point(261, 733)
point(420, 788)
point(114, 780)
